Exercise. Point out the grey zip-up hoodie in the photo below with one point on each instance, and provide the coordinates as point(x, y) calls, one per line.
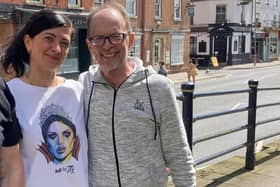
point(126, 147)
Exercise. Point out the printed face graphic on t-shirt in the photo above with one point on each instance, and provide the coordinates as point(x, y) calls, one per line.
point(60, 140)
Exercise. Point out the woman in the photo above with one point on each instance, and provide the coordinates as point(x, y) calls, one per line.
point(36, 53)
point(192, 70)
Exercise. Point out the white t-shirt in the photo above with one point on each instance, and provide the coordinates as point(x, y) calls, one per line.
point(54, 144)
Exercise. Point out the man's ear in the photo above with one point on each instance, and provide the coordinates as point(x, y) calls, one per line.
point(89, 45)
point(131, 38)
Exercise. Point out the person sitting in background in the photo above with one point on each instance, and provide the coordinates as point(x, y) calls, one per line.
point(162, 69)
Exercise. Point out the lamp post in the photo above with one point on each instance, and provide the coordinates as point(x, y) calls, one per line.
point(255, 38)
point(253, 17)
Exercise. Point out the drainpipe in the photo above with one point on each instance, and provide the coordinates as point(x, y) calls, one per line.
point(143, 21)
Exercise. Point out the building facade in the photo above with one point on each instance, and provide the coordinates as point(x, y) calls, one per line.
point(221, 28)
point(267, 19)
point(161, 28)
point(235, 30)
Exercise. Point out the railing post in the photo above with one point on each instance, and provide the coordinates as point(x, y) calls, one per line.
point(251, 132)
point(187, 90)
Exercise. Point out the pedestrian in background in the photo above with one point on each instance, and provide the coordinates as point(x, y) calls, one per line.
point(11, 168)
point(135, 129)
point(162, 69)
point(49, 107)
point(192, 70)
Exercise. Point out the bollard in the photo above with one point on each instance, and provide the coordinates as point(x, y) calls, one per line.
point(251, 131)
point(187, 90)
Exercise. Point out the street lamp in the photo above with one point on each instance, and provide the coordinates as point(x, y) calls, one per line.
point(253, 17)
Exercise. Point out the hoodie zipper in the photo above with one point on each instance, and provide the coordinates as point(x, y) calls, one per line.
point(114, 139)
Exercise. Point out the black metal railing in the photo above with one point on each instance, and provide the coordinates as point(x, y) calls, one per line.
point(187, 97)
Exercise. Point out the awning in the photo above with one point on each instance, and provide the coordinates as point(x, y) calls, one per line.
point(78, 19)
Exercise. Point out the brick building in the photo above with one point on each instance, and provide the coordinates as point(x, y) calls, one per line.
point(161, 28)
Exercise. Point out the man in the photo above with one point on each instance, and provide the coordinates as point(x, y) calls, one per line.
point(135, 129)
point(11, 169)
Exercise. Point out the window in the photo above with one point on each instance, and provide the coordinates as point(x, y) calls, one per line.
point(98, 2)
point(177, 49)
point(158, 9)
point(177, 9)
point(71, 62)
point(241, 44)
point(135, 50)
point(220, 14)
point(235, 45)
point(157, 50)
point(193, 45)
point(74, 3)
point(35, 1)
point(202, 46)
point(258, 1)
point(274, 22)
point(276, 3)
point(131, 7)
point(258, 22)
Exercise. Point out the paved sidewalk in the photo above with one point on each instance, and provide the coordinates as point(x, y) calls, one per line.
point(232, 172)
point(203, 74)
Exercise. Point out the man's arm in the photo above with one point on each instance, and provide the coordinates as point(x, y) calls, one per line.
point(11, 167)
point(174, 141)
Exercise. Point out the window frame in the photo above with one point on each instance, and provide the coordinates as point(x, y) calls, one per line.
point(133, 12)
point(177, 9)
point(158, 9)
point(221, 15)
point(177, 52)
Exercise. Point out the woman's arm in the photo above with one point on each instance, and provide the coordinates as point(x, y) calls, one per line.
point(11, 167)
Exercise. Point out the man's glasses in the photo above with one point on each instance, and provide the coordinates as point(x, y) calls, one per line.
point(114, 39)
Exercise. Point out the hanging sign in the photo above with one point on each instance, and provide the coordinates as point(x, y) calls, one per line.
point(191, 11)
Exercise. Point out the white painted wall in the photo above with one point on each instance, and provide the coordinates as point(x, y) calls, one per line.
point(267, 11)
point(205, 11)
point(247, 41)
point(202, 36)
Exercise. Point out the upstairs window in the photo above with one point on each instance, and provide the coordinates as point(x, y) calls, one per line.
point(177, 9)
point(276, 3)
point(74, 3)
point(131, 7)
point(157, 9)
point(220, 14)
